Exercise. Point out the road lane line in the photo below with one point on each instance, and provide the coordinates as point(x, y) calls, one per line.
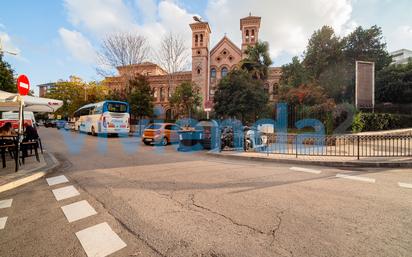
point(100, 240)
point(65, 192)
point(57, 180)
point(78, 210)
point(306, 170)
point(363, 179)
point(5, 203)
point(405, 185)
point(3, 222)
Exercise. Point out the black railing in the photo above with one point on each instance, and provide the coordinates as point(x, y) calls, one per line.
point(340, 145)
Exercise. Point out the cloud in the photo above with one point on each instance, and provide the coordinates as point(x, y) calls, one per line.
point(78, 45)
point(286, 25)
point(102, 17)
point(99, 16)
point(400, 38)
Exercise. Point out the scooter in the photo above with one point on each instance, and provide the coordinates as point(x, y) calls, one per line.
point(254, 140)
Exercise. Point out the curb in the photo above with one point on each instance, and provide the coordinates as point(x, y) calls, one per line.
point(32, 177)
point(319, 163)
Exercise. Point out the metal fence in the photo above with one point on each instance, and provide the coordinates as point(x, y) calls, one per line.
point(340, 145)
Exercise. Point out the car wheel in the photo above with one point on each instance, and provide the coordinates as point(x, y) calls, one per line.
point(146, 143)
point(164, 141)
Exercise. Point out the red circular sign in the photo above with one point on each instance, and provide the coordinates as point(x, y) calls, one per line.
point(23, 85)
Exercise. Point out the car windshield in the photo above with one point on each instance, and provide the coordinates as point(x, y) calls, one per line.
point(154, 126)
point(116, 107)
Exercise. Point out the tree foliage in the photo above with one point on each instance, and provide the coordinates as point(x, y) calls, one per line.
point(240, 96)
point(140, 97)
point(257, 60)
point(7, 81)
point(329, 61)
point(186, 98)
point(75, 93)
point(394, 84)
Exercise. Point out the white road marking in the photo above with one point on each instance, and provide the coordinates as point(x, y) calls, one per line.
point(56, 180)
point(405, 185)
point(306, 170)
point(3, 222)
point(78, 210)
point(363, 179)
point(5, 203)
point(100, 240)
point(65, 192)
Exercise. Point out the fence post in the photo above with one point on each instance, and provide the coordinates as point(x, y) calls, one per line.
point(358, 145)
point(296, 145)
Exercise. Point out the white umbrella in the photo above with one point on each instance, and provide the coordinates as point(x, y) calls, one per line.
point(10, 102)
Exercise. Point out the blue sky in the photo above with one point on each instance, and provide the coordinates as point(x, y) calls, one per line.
point(56, 39)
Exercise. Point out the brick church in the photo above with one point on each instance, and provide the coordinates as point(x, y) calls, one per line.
point(209, 65)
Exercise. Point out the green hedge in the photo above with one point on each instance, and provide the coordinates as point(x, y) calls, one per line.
point(380, 121)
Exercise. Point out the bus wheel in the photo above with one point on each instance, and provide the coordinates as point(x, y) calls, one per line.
point(93, 132)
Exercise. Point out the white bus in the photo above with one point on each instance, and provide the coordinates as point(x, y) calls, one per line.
point(108, 117)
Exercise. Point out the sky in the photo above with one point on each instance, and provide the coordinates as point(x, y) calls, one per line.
point(55, 39)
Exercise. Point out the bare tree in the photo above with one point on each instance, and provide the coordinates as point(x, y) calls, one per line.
point(173, 53)
point(120, 49)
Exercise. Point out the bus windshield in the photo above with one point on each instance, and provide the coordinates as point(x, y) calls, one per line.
point(116, 107)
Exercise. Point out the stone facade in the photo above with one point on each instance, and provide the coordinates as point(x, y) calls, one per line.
point(208, 65)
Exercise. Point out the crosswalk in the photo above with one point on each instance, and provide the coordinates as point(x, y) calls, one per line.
point(3, 205)
point(98, 240)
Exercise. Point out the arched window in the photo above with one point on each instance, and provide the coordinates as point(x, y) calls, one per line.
point(196, 38)
point(201, 37)
point(161, 94)
point(198, 71)
point(224, 72)
point(213, 73)
point(247, 35)
point(253, 35)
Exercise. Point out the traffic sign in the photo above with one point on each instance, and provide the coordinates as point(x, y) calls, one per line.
point(23, 85)
point(208, 106)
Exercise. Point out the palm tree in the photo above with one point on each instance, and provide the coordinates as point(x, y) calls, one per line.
point(257, 60)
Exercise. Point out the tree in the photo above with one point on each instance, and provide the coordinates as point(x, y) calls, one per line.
point(324, 49)
point(140, 98)
point(75, 93)
point(241, 96)
point(394, 84)
point(294, 74)
point(186, 98)
point(367, 45)
point(72, 94)
point(257, 60)
point(7, 81)
point(121, 49)
point(172, 55)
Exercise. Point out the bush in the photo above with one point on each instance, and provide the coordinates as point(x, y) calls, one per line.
point(380, 121)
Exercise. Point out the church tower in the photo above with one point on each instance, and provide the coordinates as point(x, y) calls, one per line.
point(249, 26)
point(200, 57)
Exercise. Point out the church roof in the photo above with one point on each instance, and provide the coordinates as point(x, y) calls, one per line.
point(223, 40)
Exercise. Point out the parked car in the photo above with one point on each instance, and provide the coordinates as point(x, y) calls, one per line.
point(60, 124)
point(69, 126)
point(161, 133)
point(50, 123)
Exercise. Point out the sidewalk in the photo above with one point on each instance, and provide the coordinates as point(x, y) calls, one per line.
point(30, 171)
point(387, 162)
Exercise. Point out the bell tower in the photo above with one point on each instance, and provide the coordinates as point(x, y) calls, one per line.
point(200, 56)
point(249, 26)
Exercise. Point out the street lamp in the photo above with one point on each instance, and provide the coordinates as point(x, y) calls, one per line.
point(5, 51)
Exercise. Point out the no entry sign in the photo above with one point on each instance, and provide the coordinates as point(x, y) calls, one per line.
point(23, 85)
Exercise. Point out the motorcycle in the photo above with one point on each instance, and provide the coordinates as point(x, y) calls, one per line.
point(227, 138)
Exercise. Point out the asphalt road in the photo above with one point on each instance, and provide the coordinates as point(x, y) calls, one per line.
point(161, 202)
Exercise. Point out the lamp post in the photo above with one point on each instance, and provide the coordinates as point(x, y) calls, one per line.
point(5, 51)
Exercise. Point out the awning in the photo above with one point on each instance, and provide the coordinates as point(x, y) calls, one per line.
point(9, 102)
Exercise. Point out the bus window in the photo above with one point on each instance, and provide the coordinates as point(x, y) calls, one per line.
point(116, 107)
